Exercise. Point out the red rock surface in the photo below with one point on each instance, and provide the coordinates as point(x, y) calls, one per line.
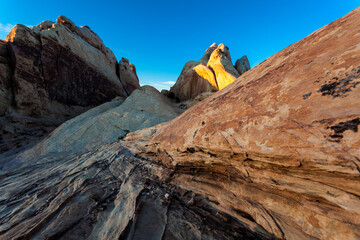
point(280, 147)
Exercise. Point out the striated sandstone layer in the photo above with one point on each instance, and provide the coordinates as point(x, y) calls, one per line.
point(280, 147)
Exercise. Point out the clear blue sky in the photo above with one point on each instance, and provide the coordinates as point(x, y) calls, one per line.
point(159, 37)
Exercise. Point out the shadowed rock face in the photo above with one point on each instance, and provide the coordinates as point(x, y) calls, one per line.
point(212, 72)
point(51, 73)
point(282, 143)
point(5, 78)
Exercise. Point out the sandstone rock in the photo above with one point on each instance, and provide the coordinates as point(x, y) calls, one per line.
point(128, 76)
point(66, 22)
point(220, 63)
point(212, 72)
point(242, 65)
point(274, 155)
point(58, 72)
point(204, 60)
point(44, 25)
point(280, 146)
point(107, 193)
point(194, 81)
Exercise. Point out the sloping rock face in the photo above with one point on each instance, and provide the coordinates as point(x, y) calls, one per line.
point(212, 72)
point(280, 147)
point(54, 72)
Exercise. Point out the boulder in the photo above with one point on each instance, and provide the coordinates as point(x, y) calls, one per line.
point(280, 147)
point(242, 65)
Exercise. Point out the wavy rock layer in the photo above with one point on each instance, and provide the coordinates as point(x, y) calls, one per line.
point(281, 145)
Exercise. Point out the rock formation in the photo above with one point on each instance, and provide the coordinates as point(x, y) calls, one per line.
point(55, 71)
point(280, 147)
point(275, 155)
point(212, 72)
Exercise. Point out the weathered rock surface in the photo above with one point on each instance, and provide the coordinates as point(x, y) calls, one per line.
point(280, 147)
point(54, 72)
point(107, 193)
point(212, 72)
point(74, 186)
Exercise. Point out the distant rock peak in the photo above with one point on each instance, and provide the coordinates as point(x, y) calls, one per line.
point(217, 72)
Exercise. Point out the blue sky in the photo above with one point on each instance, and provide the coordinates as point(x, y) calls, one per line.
point(159, 37)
